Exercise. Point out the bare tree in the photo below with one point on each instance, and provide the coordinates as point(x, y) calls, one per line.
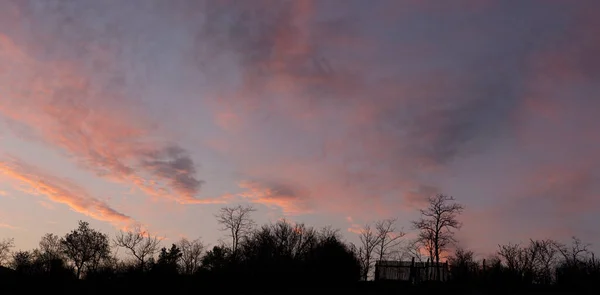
point(191, 254)
point(413, 249)
point(85, 247)
point(389, 238)
point(531, 263)
point(511, 256)
point(545, 260)
point(238, 222)
point(575, 254)
point(5, 246)
point(369, 240)
point(436, 224)
point(140, 244)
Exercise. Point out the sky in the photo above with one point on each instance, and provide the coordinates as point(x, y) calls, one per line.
point(337, 112)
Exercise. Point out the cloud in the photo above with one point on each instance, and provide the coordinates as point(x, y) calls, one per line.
point(375, 120)
point(46, 205)
point(3, 194)
point(370, 130)
point(90, 118)
point(325, 106)
point(8, 226)
point(60, 191)
point(291, 199)
point(355, 229)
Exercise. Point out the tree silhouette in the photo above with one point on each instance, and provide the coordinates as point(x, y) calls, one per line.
point(139, 243)
point(413, 250)
point(436, 224)
point(85, 248)
point(216, 259)
point(388, 237)
point(463, 267)
point(22, 262)
point(369, 240)
point(574, 254)
point(237, 221)
point(191, 255)
point(168, 260)
point(50, 254)
point(5, 246)
point(332, 261)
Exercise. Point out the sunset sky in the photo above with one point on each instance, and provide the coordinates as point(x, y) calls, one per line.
point(326, 112)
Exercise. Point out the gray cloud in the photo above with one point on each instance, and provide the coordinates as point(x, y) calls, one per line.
point(174, 165)
point(71, 92)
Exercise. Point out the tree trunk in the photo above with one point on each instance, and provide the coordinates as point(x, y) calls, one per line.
point(437, 265)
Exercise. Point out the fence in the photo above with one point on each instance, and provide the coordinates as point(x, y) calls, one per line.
point(411, 271)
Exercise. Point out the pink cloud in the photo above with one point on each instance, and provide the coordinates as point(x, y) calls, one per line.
point(368, 139)
point(60, 191)
point(46, 205)
point(93, 122)
point(8, 226)
point(292, 200)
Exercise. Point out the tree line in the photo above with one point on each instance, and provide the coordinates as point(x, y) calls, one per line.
point(290, 254)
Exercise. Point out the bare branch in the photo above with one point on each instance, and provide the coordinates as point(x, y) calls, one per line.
point(369, 240)
point(388, 237)
point(238, 222)
point(192, 252)
point(5, 246)
point(436, 225)
point(140, 244)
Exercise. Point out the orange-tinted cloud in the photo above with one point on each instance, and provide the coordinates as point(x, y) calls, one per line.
point(368, 112)
point(33, 181)
point(292, 200)
point(89, 118)
point(6, 225)
point(373, 129)
point(354, 140)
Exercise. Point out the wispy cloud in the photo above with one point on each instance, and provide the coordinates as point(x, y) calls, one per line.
point(46, 205)
point(34, 181)
point(379, 128)
point(290, 199)
point(331, 106)
point(8, 226)
point(92, 120)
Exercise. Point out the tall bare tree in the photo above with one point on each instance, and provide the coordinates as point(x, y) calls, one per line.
point(5, 246)
point(139, 243)
point(191, 254)
point(85, 248)
point(389, 238)
point(576, 253)
point(369, 240)
point(545, 260)
point(237, 221)
point(531, 263)
point(437, 223)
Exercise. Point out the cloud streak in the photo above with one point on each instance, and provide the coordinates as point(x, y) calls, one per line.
point(333, 107)
point(290, 199)
point(92, 120)
point(57, 190)
point(369, 122)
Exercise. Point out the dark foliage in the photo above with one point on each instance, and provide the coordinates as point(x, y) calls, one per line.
point(291, 259)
